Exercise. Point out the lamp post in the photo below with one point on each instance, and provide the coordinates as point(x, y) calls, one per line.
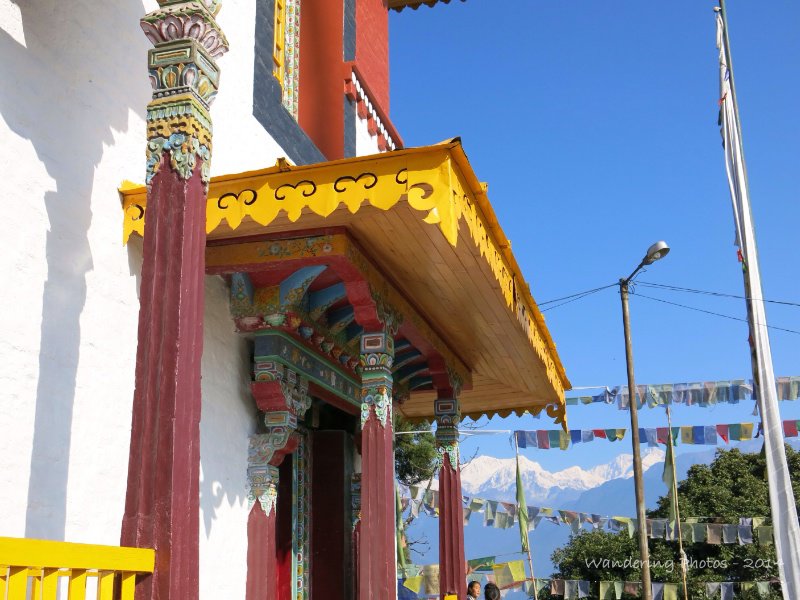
point(655, 252)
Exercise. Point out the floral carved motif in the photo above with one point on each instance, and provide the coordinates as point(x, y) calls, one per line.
point(262, 478)
point(188, 20)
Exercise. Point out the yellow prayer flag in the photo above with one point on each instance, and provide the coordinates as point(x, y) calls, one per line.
point(517, 569)
point(687, 436)
point(413, 583)
point(747, 431)
point(563, 439)
point(509, 573)
point(670, 591)
point(502, 575)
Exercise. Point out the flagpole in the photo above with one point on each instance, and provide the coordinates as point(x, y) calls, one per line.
point(782, 501)
point(740, 145)
point(530, 557)
point(674, 492)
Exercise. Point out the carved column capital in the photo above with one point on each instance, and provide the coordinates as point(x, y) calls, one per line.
point(448, 415)
point(262, 479)
point(375, 366)
point(185, 80)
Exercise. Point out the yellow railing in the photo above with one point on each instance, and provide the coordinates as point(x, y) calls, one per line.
point(31, 569)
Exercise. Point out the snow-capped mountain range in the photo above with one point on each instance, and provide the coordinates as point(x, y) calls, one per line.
point(495, 478)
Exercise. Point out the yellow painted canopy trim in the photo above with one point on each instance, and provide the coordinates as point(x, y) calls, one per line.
point(437, 181)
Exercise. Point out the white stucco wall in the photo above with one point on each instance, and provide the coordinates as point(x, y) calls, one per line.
point(228, 419)
point(73, 93)
point(71, 127)
point(365, 143)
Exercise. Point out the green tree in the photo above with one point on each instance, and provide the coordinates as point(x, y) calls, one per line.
point(734, 485)
point(414, 454)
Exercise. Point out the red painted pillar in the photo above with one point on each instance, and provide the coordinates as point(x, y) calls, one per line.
point(162, 500)
point(452, 564)
point(377, 569)
point(283, 397)
point(262, 575)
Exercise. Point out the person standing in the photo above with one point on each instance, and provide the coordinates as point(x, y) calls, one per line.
point(473, 590)
point(491, 592)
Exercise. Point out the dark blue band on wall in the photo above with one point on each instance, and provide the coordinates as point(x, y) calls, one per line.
point(268, 107)
point(349, 44)
point(350, 117)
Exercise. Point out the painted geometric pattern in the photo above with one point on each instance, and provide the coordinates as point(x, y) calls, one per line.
point(291, 78)
point(301, 519)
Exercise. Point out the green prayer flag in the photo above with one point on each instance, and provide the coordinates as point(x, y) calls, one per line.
point(669, 480)
point(554, 437)
point(676, 435)
point(735, 431)
point(611, 435)
point(522, 510)
point(481, 564)
point(764, 534)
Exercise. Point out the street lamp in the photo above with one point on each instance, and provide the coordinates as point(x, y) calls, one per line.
point(655, 252)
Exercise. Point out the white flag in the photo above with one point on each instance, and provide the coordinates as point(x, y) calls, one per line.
point(781, 496)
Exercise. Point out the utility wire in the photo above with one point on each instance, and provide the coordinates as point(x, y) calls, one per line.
point(573, 298)
point(576, 294)
point(708, 312)
point(675, 288)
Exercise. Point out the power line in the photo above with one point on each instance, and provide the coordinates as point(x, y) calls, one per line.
point(573, 297)
point(576, 294)
point(675, 288)
point(708, 312)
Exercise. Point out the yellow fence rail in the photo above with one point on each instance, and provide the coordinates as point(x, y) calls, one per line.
point(31, 569)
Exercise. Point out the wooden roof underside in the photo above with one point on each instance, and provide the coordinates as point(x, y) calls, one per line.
point(438, 242)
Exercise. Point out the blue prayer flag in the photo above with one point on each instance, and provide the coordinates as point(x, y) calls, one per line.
point(698, 434)
point(521, 439)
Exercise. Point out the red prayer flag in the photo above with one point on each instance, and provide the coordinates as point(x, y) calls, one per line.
point(543, 439)
point(790, 428)
point(662, 435)
point(722, 431)
point(601, 433)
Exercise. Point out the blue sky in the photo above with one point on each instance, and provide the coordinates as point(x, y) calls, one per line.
point(595, 124)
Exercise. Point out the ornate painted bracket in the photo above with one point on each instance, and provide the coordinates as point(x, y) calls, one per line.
point(283, 397)
point(375, 366)
point(262, 478)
